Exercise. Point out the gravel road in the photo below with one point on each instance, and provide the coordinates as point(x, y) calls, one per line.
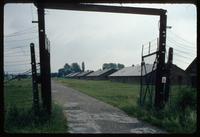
point(86, 114)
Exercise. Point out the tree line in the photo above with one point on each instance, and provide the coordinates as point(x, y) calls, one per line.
point(75, 67)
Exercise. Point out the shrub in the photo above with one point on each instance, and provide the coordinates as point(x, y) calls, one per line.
point(185, 98)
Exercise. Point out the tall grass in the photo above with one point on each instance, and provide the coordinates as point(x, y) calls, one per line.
point(19, 115)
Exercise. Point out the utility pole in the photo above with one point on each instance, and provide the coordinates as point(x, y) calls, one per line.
point(44, 62)
point(160, 78)
point(34, 80)
point(168, 73)
point(149, 47)
point(141, 77)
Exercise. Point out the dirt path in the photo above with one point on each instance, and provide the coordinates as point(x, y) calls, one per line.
point(89, 115)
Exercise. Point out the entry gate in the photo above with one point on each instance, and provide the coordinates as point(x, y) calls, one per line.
point(148, 76)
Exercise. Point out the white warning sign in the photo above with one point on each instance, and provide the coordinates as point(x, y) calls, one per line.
point(164, 79)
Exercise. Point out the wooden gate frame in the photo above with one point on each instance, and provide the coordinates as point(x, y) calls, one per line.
point(59, 4)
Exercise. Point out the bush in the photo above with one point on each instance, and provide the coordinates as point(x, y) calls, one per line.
point(179, 114)
point(19, 120)
point(185, 98)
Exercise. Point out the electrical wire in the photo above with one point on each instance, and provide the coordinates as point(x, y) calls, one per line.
point(14, 52)
point(181, 51)
point(19, 55)
point(182, 47)
point(21, 31)
point(16, 47)
point(16, 35)
point(13, 65)
point(180, 37)
point(175, 41)
point(180, 60)
point(20, 39)
point(17, 61)
point(177, 54)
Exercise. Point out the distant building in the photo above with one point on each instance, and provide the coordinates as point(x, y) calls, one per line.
point(178, 76)
point(132, 74)
point(191, 71)
point(68, 75)
point(73, 75)
point(82, 75)
point(100, 74)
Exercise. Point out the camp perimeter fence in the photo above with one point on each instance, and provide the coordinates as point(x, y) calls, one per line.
point(17, 60)
point(148, 72)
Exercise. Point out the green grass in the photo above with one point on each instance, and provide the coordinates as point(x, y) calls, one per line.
point(121, 95)
point(19, 116)
point(125, 97)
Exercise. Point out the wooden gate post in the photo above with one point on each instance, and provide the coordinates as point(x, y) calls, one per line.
point(45, 75)
point(160, 69)
point(34, 80)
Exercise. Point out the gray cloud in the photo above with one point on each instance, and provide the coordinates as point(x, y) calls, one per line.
point(97, 38)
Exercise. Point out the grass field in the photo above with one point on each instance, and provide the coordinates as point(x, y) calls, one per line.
point(125, 97)
point(19, 117)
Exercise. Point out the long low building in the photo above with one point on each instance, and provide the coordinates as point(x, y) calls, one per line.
point(130, 74)
point(82, 75)
point(100, 74)
point(72, 75)
point(133, 75)
point(191, 71)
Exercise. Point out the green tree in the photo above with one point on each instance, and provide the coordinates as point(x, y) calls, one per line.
point(83, 66)
point(112, 66)
point(120, 66)
point(75, 67)
point(61, 72)
point(105, 66)
point(67, 69)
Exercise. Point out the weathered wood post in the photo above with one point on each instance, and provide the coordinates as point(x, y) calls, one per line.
point(45, 75)
point(160, 68)
point(34, 80)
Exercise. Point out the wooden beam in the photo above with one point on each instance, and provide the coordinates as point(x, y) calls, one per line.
point(103, 8)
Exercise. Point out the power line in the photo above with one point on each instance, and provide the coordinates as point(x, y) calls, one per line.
point(24, 73)
point(180, 37)
point(177, 54)
point(21, 31)
point(180, 43)
point(17, 55)
point(19, 73)
point(185, 53)
point(180, 60)
point(16, 35)
point(18, 47)
point(17, 64)
point(20, 39)
point(14, 52)
point(183, 47)
point(181, 51)
point(16, 61)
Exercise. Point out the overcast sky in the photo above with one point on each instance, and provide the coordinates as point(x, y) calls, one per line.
point(95, 37)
